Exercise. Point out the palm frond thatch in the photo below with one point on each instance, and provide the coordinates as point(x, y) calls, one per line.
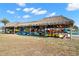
point(46, 21)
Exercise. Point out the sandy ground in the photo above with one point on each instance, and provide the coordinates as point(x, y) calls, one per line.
point(16, 45)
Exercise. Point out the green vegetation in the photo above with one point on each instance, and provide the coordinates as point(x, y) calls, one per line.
point(5, 21)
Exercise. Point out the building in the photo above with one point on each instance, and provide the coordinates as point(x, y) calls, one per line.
point(50, 25)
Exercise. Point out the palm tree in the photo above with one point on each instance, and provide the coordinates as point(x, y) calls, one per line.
point(4, 21)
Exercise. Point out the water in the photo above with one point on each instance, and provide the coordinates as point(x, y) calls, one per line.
point(75, 33)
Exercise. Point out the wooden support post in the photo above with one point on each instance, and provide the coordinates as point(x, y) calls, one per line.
point(70, 33)
point(45, 30)
point(30, 30)
point(14, 31)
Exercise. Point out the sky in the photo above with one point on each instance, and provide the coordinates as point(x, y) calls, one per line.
point(21, 12)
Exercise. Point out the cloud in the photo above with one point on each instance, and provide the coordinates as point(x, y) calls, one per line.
point(26, 16)
point(10, 12)
point(28, 9)
point(21, 4)
point(39, 11)
point(17, 16)
point(18, 9)
point(52, 14)
point(72, 6)
point(35, 11)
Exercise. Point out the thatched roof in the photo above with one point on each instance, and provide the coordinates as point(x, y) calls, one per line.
point(46, 21)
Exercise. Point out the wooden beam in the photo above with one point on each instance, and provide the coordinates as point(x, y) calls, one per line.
point(14, 30)
point(30, 30)
point(45, 30)
point(70, 33)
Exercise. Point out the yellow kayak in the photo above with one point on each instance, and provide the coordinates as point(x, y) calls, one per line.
point(61, 35)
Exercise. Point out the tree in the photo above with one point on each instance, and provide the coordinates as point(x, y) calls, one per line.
point(4, 21)
point(75, 27)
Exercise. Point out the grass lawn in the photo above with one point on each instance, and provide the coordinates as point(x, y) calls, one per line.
point(16, 45)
